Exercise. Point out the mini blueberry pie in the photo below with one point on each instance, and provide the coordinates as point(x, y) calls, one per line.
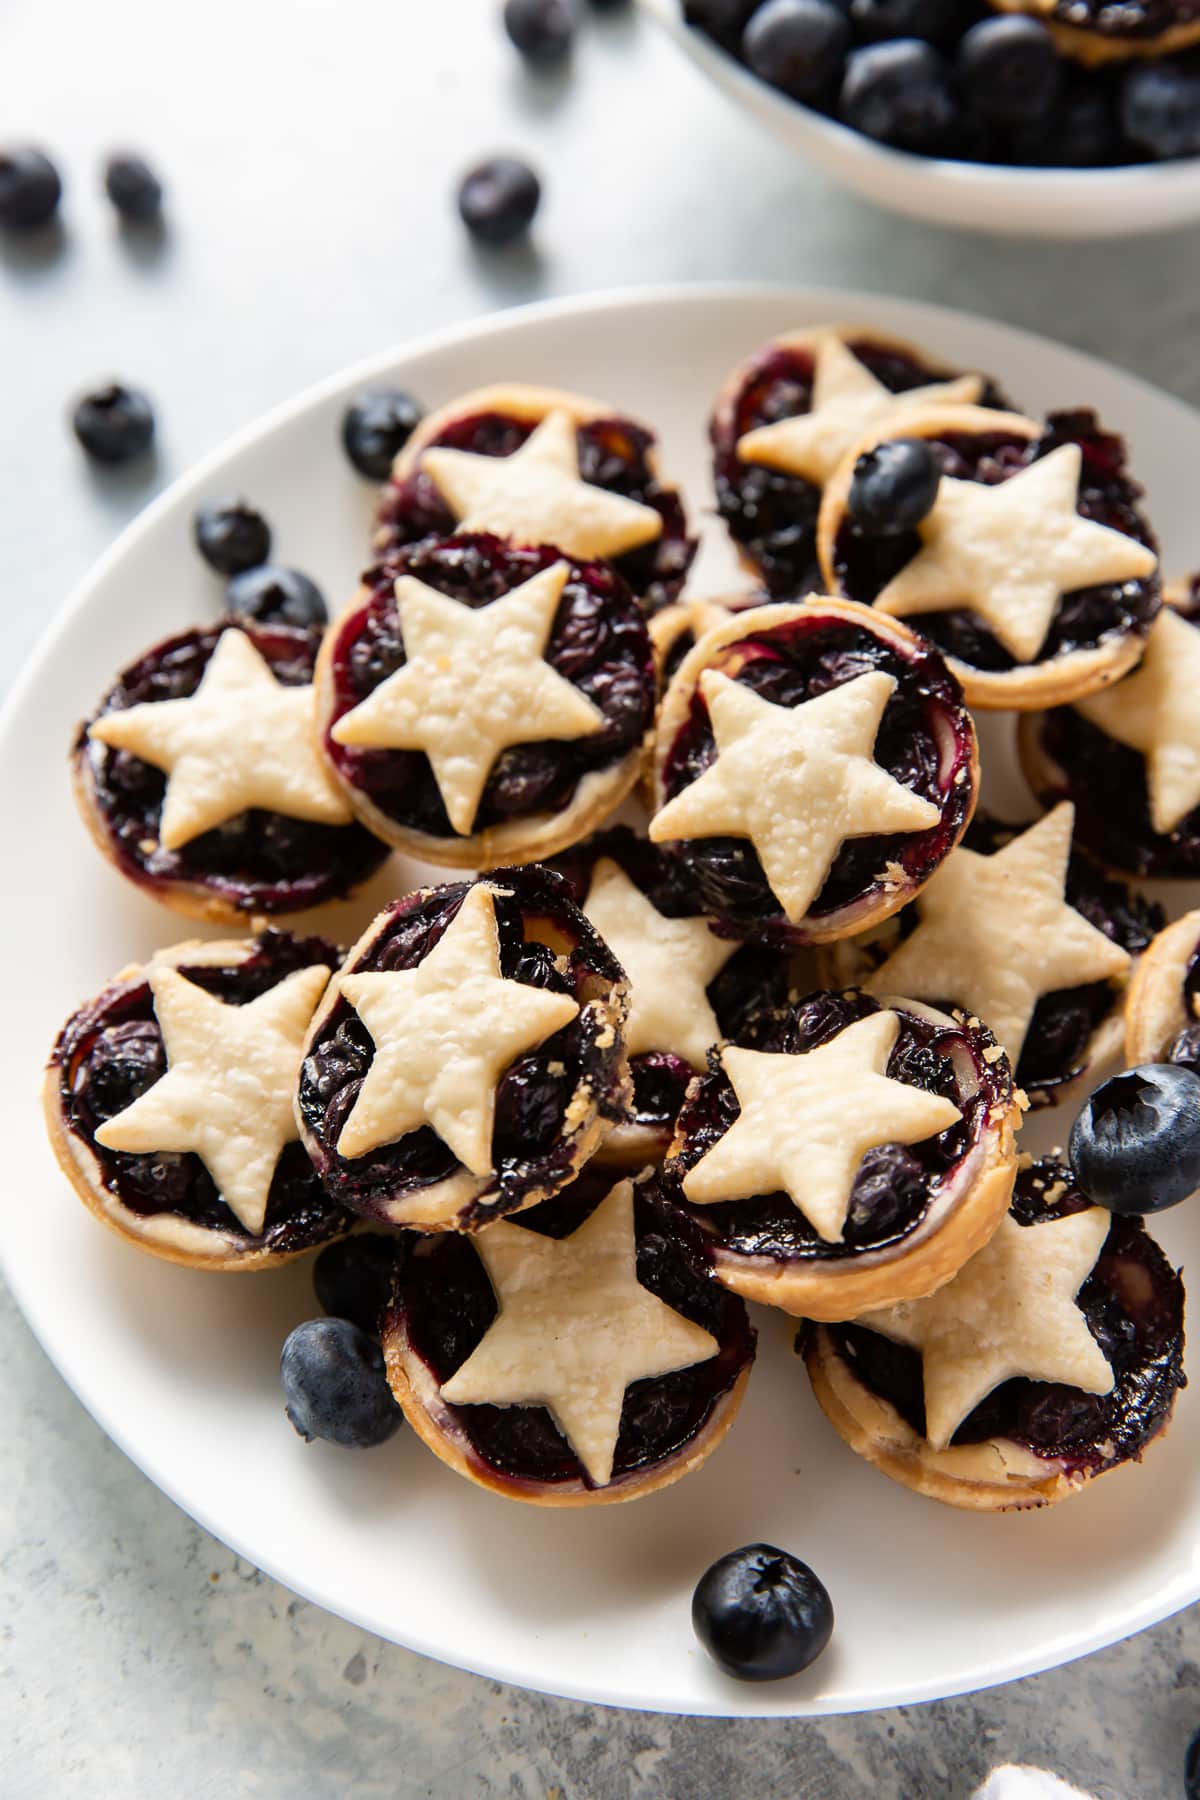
point(537, 466)
point(1101, 31)
point(1033, 570)
point(785, 419)
point(1018, 931)
point(1129, 758)
point(579, 1355)
point(469, 1056)
point(688, 988)
point(198, 777)
point(1162, 1014)
point(845, 1154)
point(168, 1100)
point(814, 764)
point(479, 703)
point(1054, 1356)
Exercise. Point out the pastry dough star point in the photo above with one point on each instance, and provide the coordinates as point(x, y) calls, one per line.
point(1155, 712)
point(807, 1121)
point(575, 1328)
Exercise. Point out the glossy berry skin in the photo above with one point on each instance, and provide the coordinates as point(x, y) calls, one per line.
point(893, 487)
point(761, 1614)
point(30, 189)
point(899, 93)
point(1135, 1146)
point(542, 30)
point(875, 21)
point(799, 46)
point(335, 1386)
point(1008, 70)
point(270, 595)
point(498, 198)
point(352, 1278)
point(133, 188)
point(114, 424)
point(375, 428)
point(1160, 107)
point(231, 535)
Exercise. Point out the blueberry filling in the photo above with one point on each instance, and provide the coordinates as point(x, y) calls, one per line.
point(1133, 1303)
point(544, 942)
point(598, 641)
point(446, 1304)
point(924, 741)
point(773, 515)
point(896, 1184)
point(613, 453)
point(112, 1050)
point(864, 563)
point(258, 862)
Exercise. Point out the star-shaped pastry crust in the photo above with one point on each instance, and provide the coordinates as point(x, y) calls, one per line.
point(807, 1121)
point(1156, 711)
point(474, 683)
point(797, 781)
point(847, 401)
point(575, 1328)
point(444, 1034)
point(670, 963)
point(1010, 1311)
point(536, 496)
point(227, 1091)
point(1009, 553)
point(996, 933)
point(241, 740)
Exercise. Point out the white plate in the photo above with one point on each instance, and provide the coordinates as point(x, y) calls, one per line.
point(1056, 203)
point(180, 1368)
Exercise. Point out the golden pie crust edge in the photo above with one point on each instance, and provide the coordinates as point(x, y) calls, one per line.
point(1156, 1011)
point(1093, 48)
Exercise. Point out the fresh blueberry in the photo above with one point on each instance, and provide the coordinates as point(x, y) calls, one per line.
point(1080, 133)
point(269, 595)
point(875, 21)
point(1135, 1147)
point(900, 93)
point(721, 20)
point(761, 1614)
point(375, 428)
point(498, 198)
point(1008, 70)
point(1191, 1770)
point(30, 189)
point(799, 46)
point(133, 187)
point(1160, 107)
point(604, 6)
point(353, 1278)
point(114, 424)
point(335, 1385)
point(541, 30)
point(893, 487)
point(231, 536)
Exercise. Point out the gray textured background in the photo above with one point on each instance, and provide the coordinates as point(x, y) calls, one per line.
point(311, 148)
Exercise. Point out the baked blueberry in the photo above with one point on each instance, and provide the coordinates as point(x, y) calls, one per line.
point(761, 1613)
point(900, 93)
point(1008, 70)
point(30, 189)
point(542, 30)
point(375, 428)
point(335, 1386)
point(893, 486)
point(353, 1277)
point(114, 424)
point(799, 46)
point(133, 187)
point(231, 535)
point(498, 198)
point(1160, 107)
point(1135, 1146)
point(270, 595)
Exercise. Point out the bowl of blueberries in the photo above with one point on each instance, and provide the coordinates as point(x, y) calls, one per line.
point(1054, 118)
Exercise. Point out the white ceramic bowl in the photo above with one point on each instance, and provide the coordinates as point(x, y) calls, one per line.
point(1053, 203)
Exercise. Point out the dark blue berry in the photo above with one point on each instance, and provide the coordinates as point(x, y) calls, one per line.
point(799, 46)
point(900, 93)
point(498, 198)
point(541, 30)
point(1008, 70)
point(133, 188)
point(353, 1278)
point(114, 424)
point(1135, 1146)
point(1080, 133)
point(1191, 1770)
point(893, 487)
point(875, 21)
point(30, 189)
point(375, 428)
point(335, 1385)
point(269, 595)
point(1160, 107)
point(722, 20)
point(231, 536)
point(761, 1614)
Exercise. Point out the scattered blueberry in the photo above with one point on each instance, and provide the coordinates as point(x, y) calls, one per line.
point(375, 428)
point(798, 46)
point(269, 595)
point(335, 1385)
point(114, 424)
point(893, 486)
point(876, 20)
point(30, 189)
point(900, 93)
point(231, 536)
point(133, 187)
point(353, 1278)
point(1008, 70)
point(498, 198)
point(762, 1614)
point(1191, 1770)
point(1135, 1146)
point(541, 30)
point(1160, 107)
